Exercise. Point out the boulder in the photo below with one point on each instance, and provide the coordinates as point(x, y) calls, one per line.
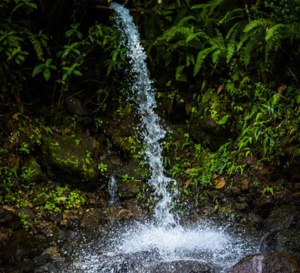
point(206, 130)
point(282, 217)
point(285, 240)
point(183, 267)
point(69, 160)
point(21, 246)
point(267, 263)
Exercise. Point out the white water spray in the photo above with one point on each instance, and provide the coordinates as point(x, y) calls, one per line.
point(152, 132)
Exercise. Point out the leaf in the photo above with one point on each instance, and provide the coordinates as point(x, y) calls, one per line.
point(214, 177)
point(46, 74)
point(188, 182)
point(15, 116)
point(220, 184)
point(189, 170)
point(77, 73)
point(201, 57)
point(9, 208)
point(38, 69)
point(220, 89)
point(292, 131)
point(224, 119)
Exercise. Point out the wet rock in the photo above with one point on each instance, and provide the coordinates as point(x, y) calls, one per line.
point(183, 267)
point(282, 217)
point(45, 264)
point(140, 262)
point(67, 161)
point(244, 185)
point(62, 235)
point(36, 172)
point(263, 205)
point(128, 189)
point(8, 218)
point(21, 246)
point(92, 219)
point(75, 106)
point(286, 240)
point(116, 213)
point(241, 206)
point(267, 263)
point(205, 129)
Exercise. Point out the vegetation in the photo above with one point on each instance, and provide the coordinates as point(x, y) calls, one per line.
point(232, 62)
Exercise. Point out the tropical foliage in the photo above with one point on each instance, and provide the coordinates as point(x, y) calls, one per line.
point(234, 61)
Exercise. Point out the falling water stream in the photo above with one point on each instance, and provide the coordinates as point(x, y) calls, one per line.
point(161, 239)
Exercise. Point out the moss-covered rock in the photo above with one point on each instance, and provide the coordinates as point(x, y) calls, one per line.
point(68, 159)
point(206, 130)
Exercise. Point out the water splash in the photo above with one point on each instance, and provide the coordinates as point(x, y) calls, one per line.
point(152, 133)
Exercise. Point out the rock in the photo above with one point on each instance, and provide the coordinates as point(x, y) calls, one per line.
point(244, 185)
point(267, 263)
point(36, 173)
point(286, 240)
point(92, 219)
point(67, 161)
point(22, 245)
point(183, 267)
point(241, 206)
point(116, 213)
point(205, 129)
point(128, 189)
point(282, 217)
point(8, 218)
point(138, 262)
point(263, 205)
point(75, 106)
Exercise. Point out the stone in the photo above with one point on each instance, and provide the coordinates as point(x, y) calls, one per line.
point(282, 217)
point(91, 219)
point(286, 240)
point(69, 162)
point(8, 218)
point(206, 130)
point(21, 246)
point(267, 263)
point(183, 267)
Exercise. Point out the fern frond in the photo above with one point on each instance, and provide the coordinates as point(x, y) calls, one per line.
point(215, 56)
point(232, 15)
point(171, 33)
point(254, 34)
point(232, 38)
point(211, 6)
point(292, 31)
point(231, 49)
point(35, 43)
point(275, 32)
point(185, 19)
point(260, 23)
point(201, 57)
point(247, 50)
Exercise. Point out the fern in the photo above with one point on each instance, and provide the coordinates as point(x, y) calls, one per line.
point(211, 6)
point(174, 31)
point(35, 43)
point(274, 31)
point(232, 15)
point(202, 56)
point(255, 24)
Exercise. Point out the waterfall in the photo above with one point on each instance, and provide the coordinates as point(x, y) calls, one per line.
point(112, 190)
point(152, 133)
point(140, 246)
